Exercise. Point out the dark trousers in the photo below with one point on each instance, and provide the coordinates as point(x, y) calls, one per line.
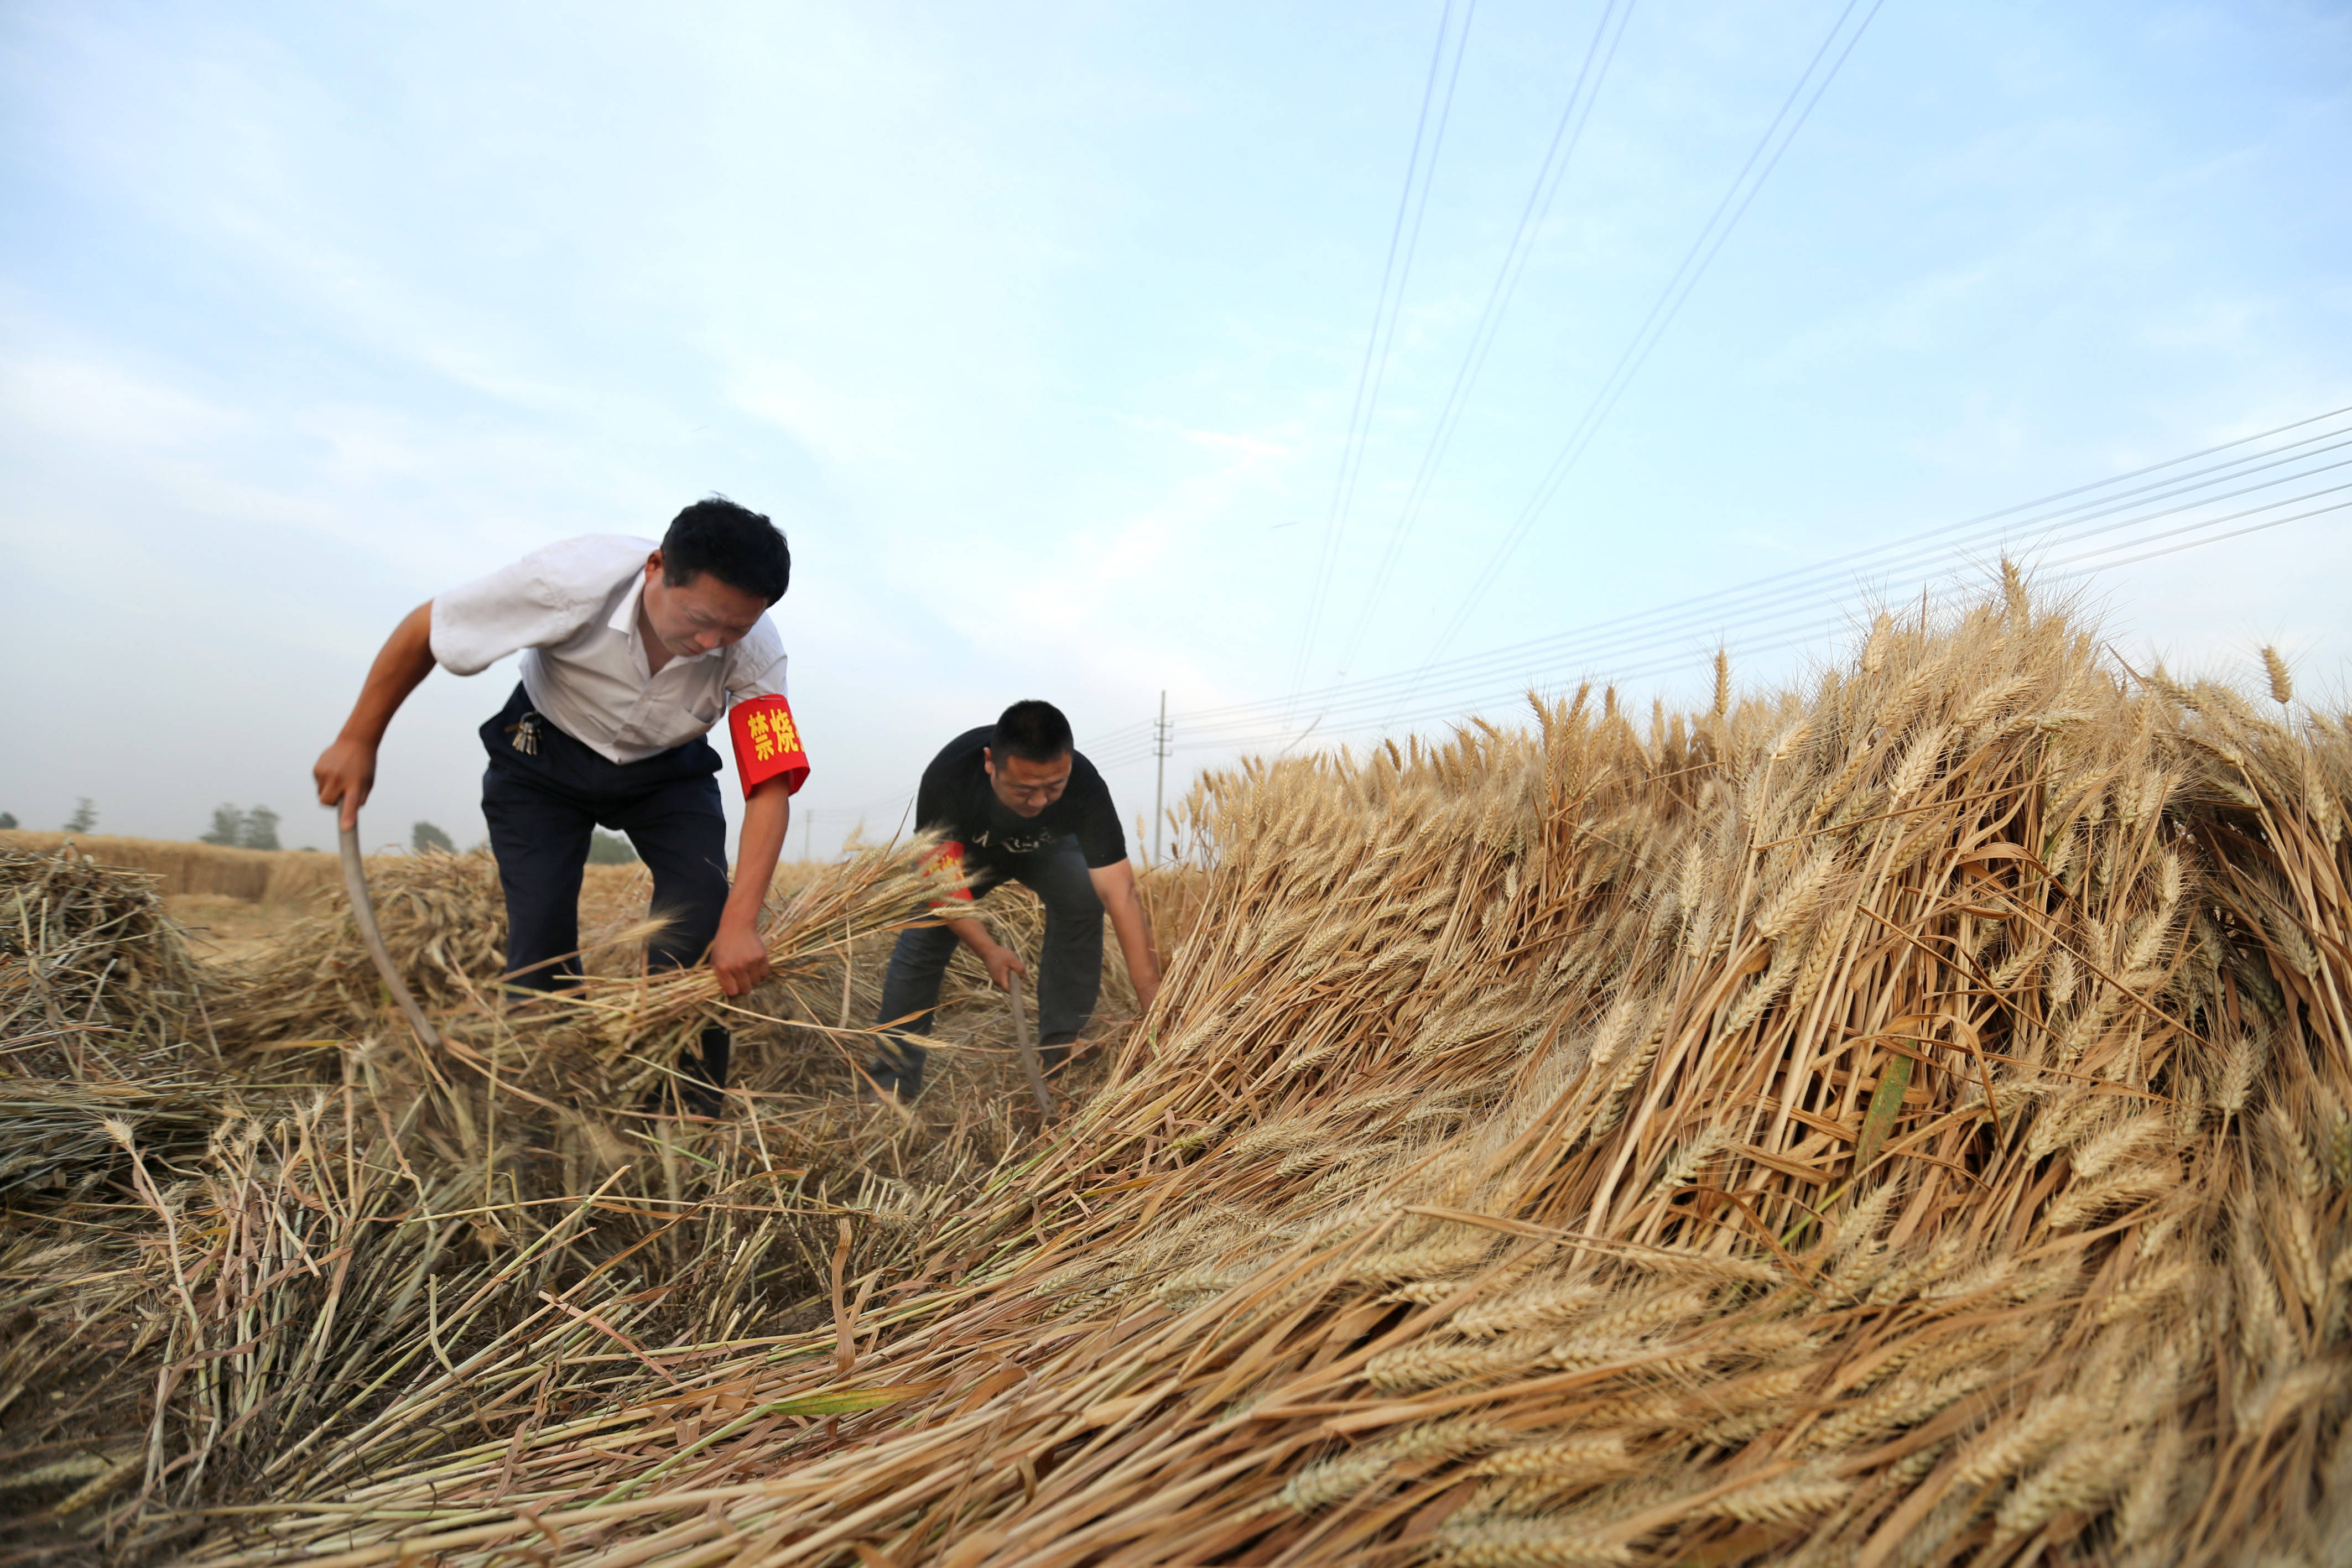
point(1068, 972)
point(542, 806)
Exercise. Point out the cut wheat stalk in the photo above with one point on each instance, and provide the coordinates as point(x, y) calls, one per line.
point(1907, 1118)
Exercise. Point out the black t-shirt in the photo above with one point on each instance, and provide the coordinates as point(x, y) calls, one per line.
point(956, 797)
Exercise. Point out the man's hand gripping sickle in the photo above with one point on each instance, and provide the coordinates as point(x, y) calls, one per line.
point(346, 774)
point(1002, 963)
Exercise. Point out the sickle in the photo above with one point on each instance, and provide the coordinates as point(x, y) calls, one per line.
point(1029, 1063)
point(363, 911)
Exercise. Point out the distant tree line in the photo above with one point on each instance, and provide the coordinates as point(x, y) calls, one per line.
point(253, 829)
point(604, 848)
point(84, 818)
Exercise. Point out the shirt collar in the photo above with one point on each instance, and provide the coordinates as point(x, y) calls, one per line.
point(625, 619)
point(624, 615)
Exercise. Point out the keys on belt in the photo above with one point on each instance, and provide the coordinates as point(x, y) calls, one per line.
point(523, 734)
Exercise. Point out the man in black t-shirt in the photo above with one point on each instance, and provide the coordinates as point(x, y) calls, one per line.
point(1015, 800)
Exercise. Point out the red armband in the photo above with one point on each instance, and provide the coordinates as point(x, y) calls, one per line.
point(767, 744)
point(947, 866)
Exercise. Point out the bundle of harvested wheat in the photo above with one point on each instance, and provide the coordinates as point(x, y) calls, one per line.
point(612, 1034)
point(91, 973)
point(99, 1019)
point(101, 1033)
point(444, 920)
point(280, 1290)
point(1903, 1120)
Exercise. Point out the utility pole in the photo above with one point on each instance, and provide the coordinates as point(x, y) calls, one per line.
point(1160, 789)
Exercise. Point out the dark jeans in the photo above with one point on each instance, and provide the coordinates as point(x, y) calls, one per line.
point(542, 808)
point(1068, 973)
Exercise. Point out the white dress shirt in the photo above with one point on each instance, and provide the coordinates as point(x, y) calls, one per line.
point(571, 608)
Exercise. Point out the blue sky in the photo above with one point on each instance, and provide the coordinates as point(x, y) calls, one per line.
point(1039, 328)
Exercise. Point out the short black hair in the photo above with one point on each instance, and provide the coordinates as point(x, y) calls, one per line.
point(1032, 731)
point(732, 543)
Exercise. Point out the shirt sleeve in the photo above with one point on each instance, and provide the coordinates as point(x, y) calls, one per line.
point(542, 599)
point(755, 666)
point(767, 738)
point(934, 807)
point(1101, 837)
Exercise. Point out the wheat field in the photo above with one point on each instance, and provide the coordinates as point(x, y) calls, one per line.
point(181, 869)
point(1901, 1119)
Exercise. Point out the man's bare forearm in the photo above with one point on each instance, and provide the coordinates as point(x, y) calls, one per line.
point(971, 933)
point(738, 955)
point(1133, 925)
point(345, 771)
point(1123, 902)
point(767, 818)
point(404, 660)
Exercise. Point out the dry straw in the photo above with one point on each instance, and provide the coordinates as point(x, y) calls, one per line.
point(1901, 1121)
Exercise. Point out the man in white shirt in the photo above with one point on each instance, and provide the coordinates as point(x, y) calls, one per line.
point(631, 652)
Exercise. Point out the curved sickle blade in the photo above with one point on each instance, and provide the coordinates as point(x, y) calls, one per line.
point(1029, 1063)
point(363, 911)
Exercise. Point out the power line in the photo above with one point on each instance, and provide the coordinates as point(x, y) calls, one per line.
point(2009, 521)
point(1805, 632)
point(1679, 286)
point(1386, 309)
point(1787, 625)
point(2212, 539)
point(1831, 586)
point(1598, 56)
point(1791, 604)
point(1813, 603)
point(1160, 737)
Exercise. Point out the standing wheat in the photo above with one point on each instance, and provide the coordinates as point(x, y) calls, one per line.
point(2282, 681)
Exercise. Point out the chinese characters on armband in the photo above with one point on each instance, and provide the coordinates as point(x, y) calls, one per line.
point(946, 866)
point(767, 744)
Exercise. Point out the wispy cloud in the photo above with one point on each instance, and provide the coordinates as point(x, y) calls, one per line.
point(1033, 327)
